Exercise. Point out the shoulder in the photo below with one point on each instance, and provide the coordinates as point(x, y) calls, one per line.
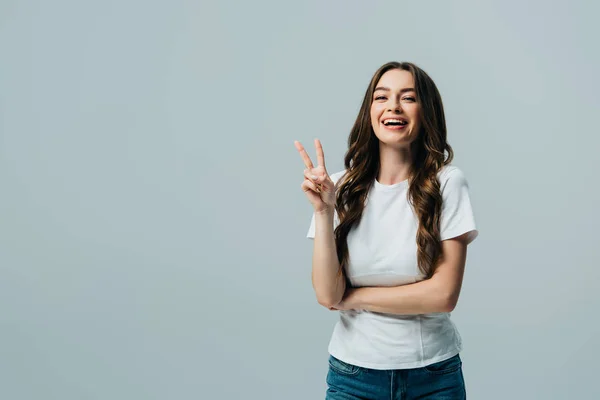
point(336, 176)
point(451, 175)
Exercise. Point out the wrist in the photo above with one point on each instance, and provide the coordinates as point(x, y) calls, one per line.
point(355, 299)
point(325, 213)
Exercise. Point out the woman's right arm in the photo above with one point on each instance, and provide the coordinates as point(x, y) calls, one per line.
point(328, 283)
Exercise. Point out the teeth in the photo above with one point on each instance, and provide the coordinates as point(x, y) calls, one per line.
point(398, 121)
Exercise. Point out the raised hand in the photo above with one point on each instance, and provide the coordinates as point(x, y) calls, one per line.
point(317, 184)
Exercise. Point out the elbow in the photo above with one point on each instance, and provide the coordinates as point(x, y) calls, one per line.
point(447, 307)
point(448, 303)
point(328, 299)
point(327, 302)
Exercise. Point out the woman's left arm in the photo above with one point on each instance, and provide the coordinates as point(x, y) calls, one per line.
point(437, 294)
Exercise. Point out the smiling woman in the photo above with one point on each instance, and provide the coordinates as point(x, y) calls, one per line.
point(390, 241)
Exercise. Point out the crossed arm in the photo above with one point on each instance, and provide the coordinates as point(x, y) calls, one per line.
point(440, 293)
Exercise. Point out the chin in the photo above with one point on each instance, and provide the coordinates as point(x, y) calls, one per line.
point(398, 144)
point(395, 139)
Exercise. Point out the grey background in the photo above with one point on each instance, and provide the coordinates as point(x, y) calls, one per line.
point(151, 219)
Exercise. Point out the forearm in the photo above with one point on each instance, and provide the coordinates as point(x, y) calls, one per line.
point(423, 297)
point(328, 283)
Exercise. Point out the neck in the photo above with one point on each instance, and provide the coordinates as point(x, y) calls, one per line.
point(394, 164)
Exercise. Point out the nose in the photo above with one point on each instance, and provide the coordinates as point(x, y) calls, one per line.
point(394, 105)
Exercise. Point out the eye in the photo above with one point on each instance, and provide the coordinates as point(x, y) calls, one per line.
point(380, 98)
point(409, 99)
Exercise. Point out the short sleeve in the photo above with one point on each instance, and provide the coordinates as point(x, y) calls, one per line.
point(311, 229)
point(457, 216)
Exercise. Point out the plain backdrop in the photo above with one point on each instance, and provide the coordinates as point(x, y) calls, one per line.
point(152, 225)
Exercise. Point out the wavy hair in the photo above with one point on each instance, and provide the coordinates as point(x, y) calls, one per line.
point(430, 153)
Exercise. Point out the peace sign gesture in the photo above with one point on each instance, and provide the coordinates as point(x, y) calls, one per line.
point(317, 184)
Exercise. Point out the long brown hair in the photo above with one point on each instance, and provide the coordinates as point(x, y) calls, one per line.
point(430, 153)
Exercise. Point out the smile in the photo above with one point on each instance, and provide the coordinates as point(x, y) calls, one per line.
point(394, 122)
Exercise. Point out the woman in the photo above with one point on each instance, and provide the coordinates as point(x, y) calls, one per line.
point(390, 241)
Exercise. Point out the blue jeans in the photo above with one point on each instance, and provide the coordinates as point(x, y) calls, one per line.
point(439, 381)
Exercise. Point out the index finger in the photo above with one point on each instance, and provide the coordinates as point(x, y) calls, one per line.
point(307, 162)
point(320, 154)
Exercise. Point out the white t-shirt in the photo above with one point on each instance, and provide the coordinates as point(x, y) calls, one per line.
point(383, 252)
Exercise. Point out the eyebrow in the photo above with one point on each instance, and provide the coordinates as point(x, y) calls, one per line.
point(388, 89)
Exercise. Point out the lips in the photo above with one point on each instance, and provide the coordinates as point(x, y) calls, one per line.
point(395, 122)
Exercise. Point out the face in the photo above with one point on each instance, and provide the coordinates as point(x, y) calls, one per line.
point(394, 109)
